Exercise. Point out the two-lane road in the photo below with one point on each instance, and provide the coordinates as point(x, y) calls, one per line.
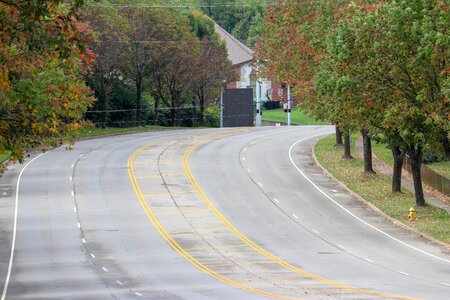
point(206, 214)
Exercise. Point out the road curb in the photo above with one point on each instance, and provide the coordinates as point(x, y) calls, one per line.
point(373, 207)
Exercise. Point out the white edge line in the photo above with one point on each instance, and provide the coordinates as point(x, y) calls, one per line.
point(446, 284)
point(75, 209)
point(295, 216)
point(105, 269)
point(340, 246)
point(260, 184)
point(352, 214)
point(276, 200)
point(119, 282)
point(249, 170)
point(13, 243)
point(369, 260)
point(138, 294)
point(83, 240)
point(403, 273)
point(92, 255)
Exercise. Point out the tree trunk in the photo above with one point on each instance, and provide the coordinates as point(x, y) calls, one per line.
point(194, 112)
point(138, 101)
point(367, 145)
point(339, 142)
point(347, 153)
point(156, 112)
point(398, 156)
point(446, 144)
point(416, 154)
point(102, 97)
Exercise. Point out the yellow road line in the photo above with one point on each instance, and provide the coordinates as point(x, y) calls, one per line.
point(151, 215)
point(257, 248)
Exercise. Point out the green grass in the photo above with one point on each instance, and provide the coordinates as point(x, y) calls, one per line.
point(97, 132)
point(297, 117)
point(442, 168)
point(4, 157)
point(376, 189)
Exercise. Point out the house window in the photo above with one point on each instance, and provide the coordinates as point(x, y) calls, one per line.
point(280, 91)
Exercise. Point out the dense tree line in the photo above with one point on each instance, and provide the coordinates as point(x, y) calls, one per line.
point(170, 59)
point(379, 67)
point(120, 64)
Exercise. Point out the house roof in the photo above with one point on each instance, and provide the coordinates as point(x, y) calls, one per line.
point(238, 53)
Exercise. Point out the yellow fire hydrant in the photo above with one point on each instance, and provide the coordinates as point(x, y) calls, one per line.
point(411, 214)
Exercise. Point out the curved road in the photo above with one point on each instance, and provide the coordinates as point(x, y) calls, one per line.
point(206, 214)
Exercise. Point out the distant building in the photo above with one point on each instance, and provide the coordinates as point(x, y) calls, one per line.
point(242, 59)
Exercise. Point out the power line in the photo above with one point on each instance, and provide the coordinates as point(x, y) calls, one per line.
point(185, 5)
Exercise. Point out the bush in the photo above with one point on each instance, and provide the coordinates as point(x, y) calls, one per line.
point(212, 116)
point(272, 105)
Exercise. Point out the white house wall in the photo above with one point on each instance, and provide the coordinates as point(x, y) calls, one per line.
point(246, 82)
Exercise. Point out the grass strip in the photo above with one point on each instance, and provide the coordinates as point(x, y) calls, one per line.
point(297, 117)
point(4, 157)
point(376, 189)
point(97, 132)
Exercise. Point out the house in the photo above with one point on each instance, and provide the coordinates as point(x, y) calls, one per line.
point(242, 59)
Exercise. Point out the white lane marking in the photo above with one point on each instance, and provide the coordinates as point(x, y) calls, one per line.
point(138, 294)
point(276, 200)
point(352, 214)
point(295, 216)
point(340, 246)
point(403, 273)
point(245, 149)
point(92, 255)
point(446, 284)
point(252, 143)
point(75, 209)
point(119, 282)
point(72, 166)
point(105, 269)
point(13, 243)
point(368, 259)
point(243, 159)
point(335, 191)
point(70, 178)
point(249, 170)
point(260, 184)
point(84, 241)
point(317, 232)
point(72, 193)
point(78, 225)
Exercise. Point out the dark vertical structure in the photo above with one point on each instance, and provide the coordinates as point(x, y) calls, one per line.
point(238, 108)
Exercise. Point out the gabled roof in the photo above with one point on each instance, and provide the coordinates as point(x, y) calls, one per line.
point(238, 53)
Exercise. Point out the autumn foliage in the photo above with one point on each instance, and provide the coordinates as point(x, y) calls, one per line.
point(43, 54)
point(376, 66)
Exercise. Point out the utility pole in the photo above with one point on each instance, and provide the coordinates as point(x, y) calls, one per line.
point(289, 106)
point(258, 104)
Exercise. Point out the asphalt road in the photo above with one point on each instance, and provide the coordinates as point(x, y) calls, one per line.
point(206, 214)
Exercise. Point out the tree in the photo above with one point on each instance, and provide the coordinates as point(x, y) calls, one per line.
point(43, 53)
point(110, 29)
point(212, 67)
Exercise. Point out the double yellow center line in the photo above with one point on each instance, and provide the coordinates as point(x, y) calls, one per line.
point(246, 241)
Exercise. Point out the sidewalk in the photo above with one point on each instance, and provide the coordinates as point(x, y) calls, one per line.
point(432, 197)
